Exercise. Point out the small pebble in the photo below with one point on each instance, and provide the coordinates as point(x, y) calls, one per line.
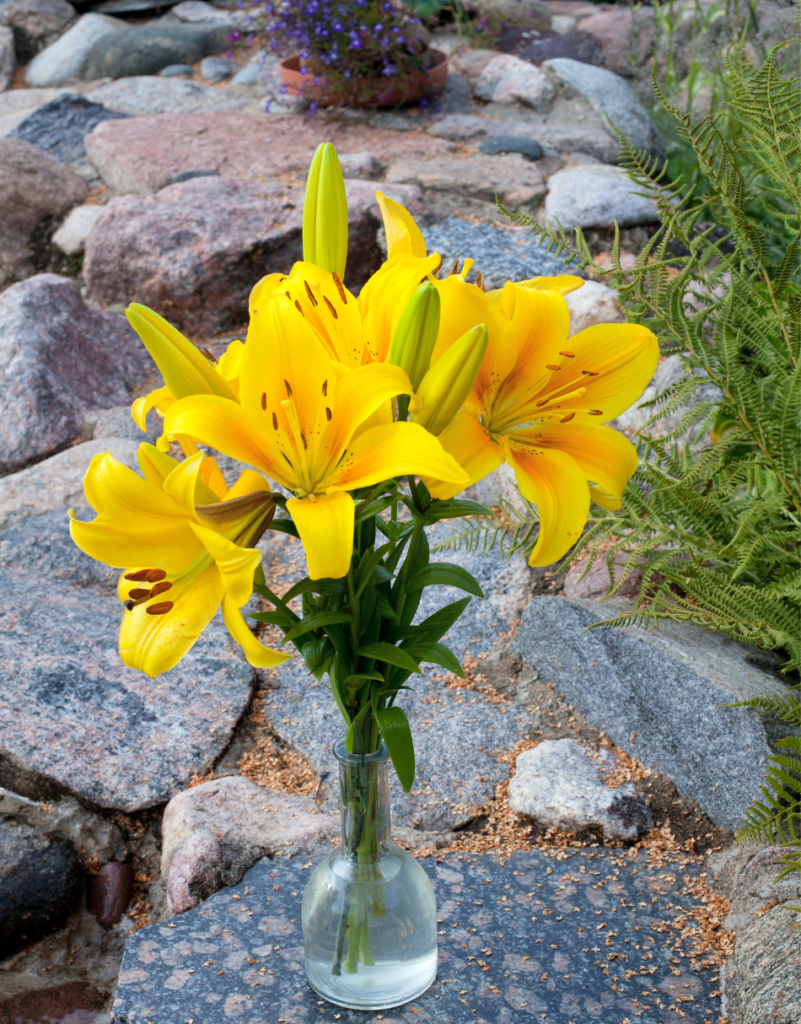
point(215, 69)
point(249, 75)
point(512, 144)
point(176, 71)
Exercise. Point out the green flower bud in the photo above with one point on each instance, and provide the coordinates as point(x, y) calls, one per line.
point(416, 334)
point(325, 213)
point(450, 380)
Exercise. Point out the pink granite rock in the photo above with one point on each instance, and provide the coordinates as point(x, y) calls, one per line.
point(626, 39)
point(144, 154)
point(194, 251)
point(212, 833)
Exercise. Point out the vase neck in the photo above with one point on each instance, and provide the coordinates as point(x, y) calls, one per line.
point(364, 803)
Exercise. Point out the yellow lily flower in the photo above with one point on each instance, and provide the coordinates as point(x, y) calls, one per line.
point(182, 538)
point(540, 400)
point(304, 420)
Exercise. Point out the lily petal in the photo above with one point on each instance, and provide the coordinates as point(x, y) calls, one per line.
point(469, 442)
point(236, 565)
point(325, 526)
point(384, 297)
point(404, 238)
point(554, 482)
point(160, 400)
point(256, 653)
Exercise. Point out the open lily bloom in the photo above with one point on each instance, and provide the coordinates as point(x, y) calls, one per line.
point(309, 422)
point(183, 539)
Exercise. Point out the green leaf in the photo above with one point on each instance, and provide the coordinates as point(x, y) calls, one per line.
point(454, 509)
point(445, 574)
point(372, 508)
point(323, 586)
point(354, 725)
point(365, 675)
point(397, 735)
point(432, 628)
point(437, 654)
point(389, 654)
point(367, 567)
point(284, 526)
point(276, 618)
point(311, 622)
point(386, 609)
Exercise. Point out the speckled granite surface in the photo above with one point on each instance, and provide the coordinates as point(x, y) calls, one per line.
point(584, 940)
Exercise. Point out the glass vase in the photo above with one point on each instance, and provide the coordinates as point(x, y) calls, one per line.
point(369, 911)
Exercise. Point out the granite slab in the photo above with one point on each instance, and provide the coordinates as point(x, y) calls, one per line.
point(527, 939)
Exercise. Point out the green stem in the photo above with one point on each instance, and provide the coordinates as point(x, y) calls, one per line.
point(407, 562)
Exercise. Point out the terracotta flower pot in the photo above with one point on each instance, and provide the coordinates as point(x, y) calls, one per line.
point(371, 92)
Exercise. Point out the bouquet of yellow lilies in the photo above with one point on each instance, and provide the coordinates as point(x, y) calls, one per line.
point(359, 409)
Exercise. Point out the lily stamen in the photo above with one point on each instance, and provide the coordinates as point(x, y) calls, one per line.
point(160, 609)
point(342, 293)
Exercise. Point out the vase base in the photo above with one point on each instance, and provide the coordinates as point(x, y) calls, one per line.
point(374, 988)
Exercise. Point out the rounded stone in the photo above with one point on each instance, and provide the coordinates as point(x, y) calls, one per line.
point(108, 893)
point(496, 144)
point(216, 69)
point(177, 70)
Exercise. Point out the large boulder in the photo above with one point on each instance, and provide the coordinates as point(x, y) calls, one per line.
point(16, 105)
point(59, 358)
point(146, 50)
point(194, 250)
point(7, 58)
point(41, 884)
point(73, 718)
point(59, 127)
point(35, 193)
point(35, 23)
point(65, 60)
point(596, 196)
point(626, 37)
point(659, 695)
point(507, 79)
point(613, 99)
point(145, 94)
point(515, 180)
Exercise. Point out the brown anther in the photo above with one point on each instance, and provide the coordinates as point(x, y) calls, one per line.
point(275, 422)
point(589, 373)
point(483, 287)
point(552, 366)
point(137, 577)
point(328, 414)
point(161, 588)
point(478, 279)
point(568, 418)
point(331, 309)
point(309, 292)
point(159, 609)
point(137, 594)
point(340, 289)
point(570, 355)
point(209, 356)
point(264, 401)
point(455, 267)
point(596, 412)
point(303, 439)
point(325, 388)
point(288, 296)
point(298, 307)
point(129, 605)
point(155, 575)
point(288, 388)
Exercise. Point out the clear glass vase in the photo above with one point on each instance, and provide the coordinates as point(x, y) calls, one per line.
point(369, 911)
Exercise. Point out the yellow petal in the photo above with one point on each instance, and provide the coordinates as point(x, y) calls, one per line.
point(249, 482)
point(236, 565)
point(256, 653)
point(384, 297)
point(562, 283)
point(330, 309)
point(185, 485)
point(152, 541)
point(382, 453)
point(556, 484)
point(155, 465)
point(119, 494)
point(325, 525)
point(212, 477)
point(469, 442)
point(621, 360)
point(156, 643)
point(160, 400)
point(607, 457)
point(404, 238)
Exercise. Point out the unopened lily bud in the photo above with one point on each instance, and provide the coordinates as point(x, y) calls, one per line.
point(185, 371)
point(325, 213)
point(416, 334)
point(450, 380)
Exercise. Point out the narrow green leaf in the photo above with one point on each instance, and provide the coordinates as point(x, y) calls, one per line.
point(354, 725)
point(311, 622)
point(365, 675)
point(389, 654)
point(397, 735)
point(368, 566)
point(437, 654)
point(445, 574)
point(276, 618)
point(432, 628)
point(454, 509)
point(323, 586)
point(284, 526)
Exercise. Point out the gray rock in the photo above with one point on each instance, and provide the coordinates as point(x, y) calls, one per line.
point(554, 139)
point(457, 732)
point(248, 75)
point(146, 50)
point(216, 69)
point(507, 79)
point(561, 783)
point(177, 71)
point(35, 193)
point(144, 95)
point(593, 303)
point(456, 97)
point(189, 175)
point(198, 12)
point(363, 166)
point(529, 148)
point(501, 254)
point(245, 820)
point(73, 719)
point(59, 127)
point(657, 693)
point(515, 180)
point(8, 61)
point(118, 422)
point(35, 23)
point(71, 236)
point(57, 482)
point(613, 98)
point(18, 104)
point(490, 909)
point(596, 196)
point(65, 60)
point(41, 883)
point(754, 887)
point(60, 359)
point(767, 956)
